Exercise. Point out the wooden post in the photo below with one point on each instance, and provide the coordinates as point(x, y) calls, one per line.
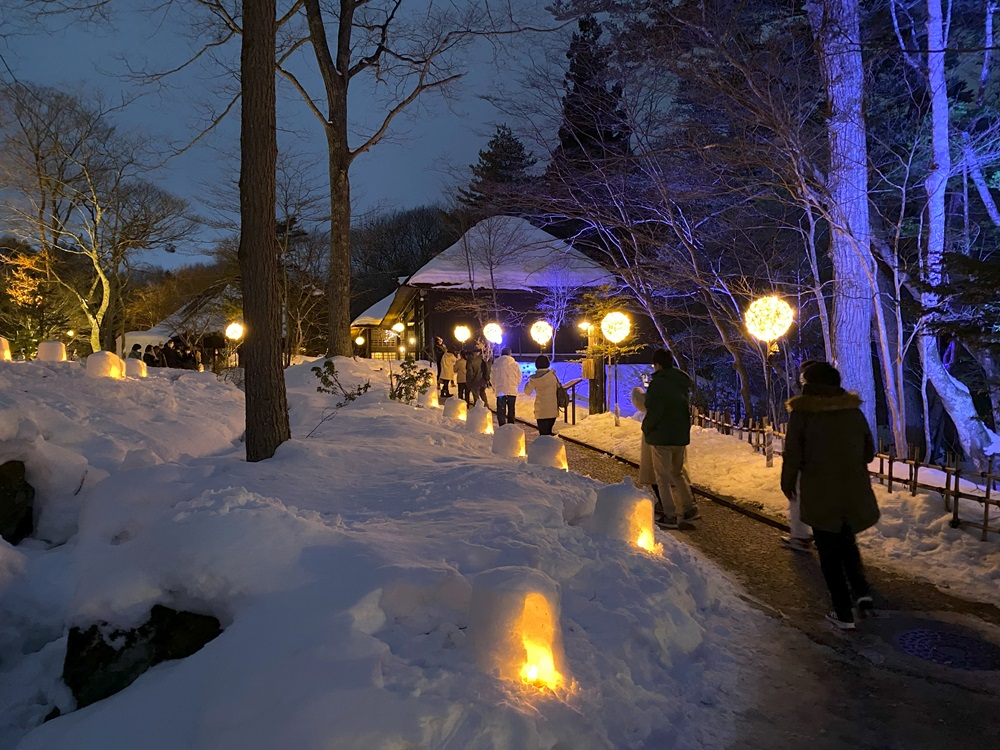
point(892, 455)
point(955, 520)
point(768, 443)
point(947, 483)
point(986, 504)
point(916, 470)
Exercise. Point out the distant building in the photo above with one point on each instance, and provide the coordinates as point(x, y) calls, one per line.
point(503, 270)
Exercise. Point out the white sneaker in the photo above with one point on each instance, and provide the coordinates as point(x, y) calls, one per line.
point(797, 544)
point(841, 624)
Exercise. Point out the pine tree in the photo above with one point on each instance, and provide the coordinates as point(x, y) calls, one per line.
point(594, 126)
point(502, 165)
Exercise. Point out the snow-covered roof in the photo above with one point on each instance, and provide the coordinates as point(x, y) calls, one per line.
point(507, 252)
point(209, 312)
point(374, 315)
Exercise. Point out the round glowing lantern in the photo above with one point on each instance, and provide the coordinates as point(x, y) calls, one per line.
point(462, 334)
point(585, 325)
point(493, 333)
point(769, 318)
point(541, 332)
point(398, 327)
point(616, 327)
point(360, 341)
point(234, 331)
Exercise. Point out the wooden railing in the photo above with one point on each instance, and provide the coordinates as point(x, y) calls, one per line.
point(768, 440)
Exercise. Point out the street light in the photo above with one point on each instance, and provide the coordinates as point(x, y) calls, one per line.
point(768, 319)
point(462, 334)
point(360, 341)
point(234, 331)
point(398, 327)
point(541, 332)
point(493, 333)
point(585, 326)
point(616, 327)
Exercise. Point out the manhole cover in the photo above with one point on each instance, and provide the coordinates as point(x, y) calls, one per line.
point(949, 649)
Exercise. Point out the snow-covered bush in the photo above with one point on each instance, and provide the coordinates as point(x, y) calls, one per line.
point(411, 380)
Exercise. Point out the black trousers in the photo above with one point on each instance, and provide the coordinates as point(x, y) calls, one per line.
point(843, 571)
point(445, 386)
point(505, 409)
point(545, 426)
point(463, 391)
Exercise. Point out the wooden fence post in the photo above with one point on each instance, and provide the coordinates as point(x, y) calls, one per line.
point(916, 470)
point(768, 443)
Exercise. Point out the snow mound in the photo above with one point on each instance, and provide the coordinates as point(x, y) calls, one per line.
point(548, 450)
point(429, 398)
point(624, 512)
point(456, 408)
point(135, 368)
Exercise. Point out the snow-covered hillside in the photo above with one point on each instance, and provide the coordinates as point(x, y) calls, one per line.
point(342, 571)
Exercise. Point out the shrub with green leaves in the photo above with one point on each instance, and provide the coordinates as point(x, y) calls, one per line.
point(330, 383)
point(410, 381)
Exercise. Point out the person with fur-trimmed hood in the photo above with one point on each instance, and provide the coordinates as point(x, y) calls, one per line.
point(828, 447)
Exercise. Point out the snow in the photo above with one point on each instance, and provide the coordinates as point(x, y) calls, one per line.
point(374, 315)
point(548, 450)
point(912, 536)
point(345, 573)
point(509, 441)
point(509, 253)
point(51, 351)
point(456, 408)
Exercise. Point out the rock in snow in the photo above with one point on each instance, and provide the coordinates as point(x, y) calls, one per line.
point(16, 503)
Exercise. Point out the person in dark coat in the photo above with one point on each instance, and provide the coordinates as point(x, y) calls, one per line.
point(828, 447)
point(477, 376)
point(171, 355)
point(149, 357)
point(136, 352)
point(666, 428)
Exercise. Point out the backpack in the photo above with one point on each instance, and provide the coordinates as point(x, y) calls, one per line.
point(562, 396)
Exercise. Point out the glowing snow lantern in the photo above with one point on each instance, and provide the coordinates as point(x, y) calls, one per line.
point(52, 351)
point(462, 334)
point(234, 331)
point(541, 332)
point(360, 341)
point(135, 368)
point(508, 441)
point(456, 408)
point(548, 450)
point(480, 420)
point(493, 333)
point(616, 326)
point(625, 512)
point(398, 327)
point(769, 318)
point(514, 627)
point(4, 350)
point(105, 365)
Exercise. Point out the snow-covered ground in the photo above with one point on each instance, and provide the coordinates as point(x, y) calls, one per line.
point(913, 534)
point(342, 571)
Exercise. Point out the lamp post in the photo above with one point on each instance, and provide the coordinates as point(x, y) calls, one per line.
point(234, 333)
point(541, 332)
point(616, 327)
point(767, 320)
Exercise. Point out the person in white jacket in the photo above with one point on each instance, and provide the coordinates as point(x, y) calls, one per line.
point(543, 383)
point(506, 379)
point(447, 373)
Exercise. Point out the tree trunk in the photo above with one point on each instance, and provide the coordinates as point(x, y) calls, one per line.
point(338, 290)
point(835, 30)
point(266, 401)
point(955, 397)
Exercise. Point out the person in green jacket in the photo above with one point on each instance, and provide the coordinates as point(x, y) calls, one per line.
point(666, 428)
point(828, 446)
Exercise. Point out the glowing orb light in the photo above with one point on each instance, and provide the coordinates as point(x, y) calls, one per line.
point(541, 332)
point(402, 350)
point(462, 334)
point(769, 318)
point(585, 325)
point(616, 327)
point(360, 341)
point(493, 333)
point(398, 327)
point(234, 331)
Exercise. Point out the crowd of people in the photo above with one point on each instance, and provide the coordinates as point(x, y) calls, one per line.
point(171, 354)
point(828, 446)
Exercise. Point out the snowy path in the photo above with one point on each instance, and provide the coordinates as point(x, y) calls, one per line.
point(837, 692)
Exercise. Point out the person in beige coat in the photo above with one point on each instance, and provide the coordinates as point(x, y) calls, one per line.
point(543, 383)
point(447, 373)
point(646, 474)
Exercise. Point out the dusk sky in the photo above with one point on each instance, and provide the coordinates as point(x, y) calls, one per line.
point(415, 167)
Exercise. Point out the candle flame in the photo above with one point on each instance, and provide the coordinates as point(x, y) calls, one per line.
point(537, 632)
